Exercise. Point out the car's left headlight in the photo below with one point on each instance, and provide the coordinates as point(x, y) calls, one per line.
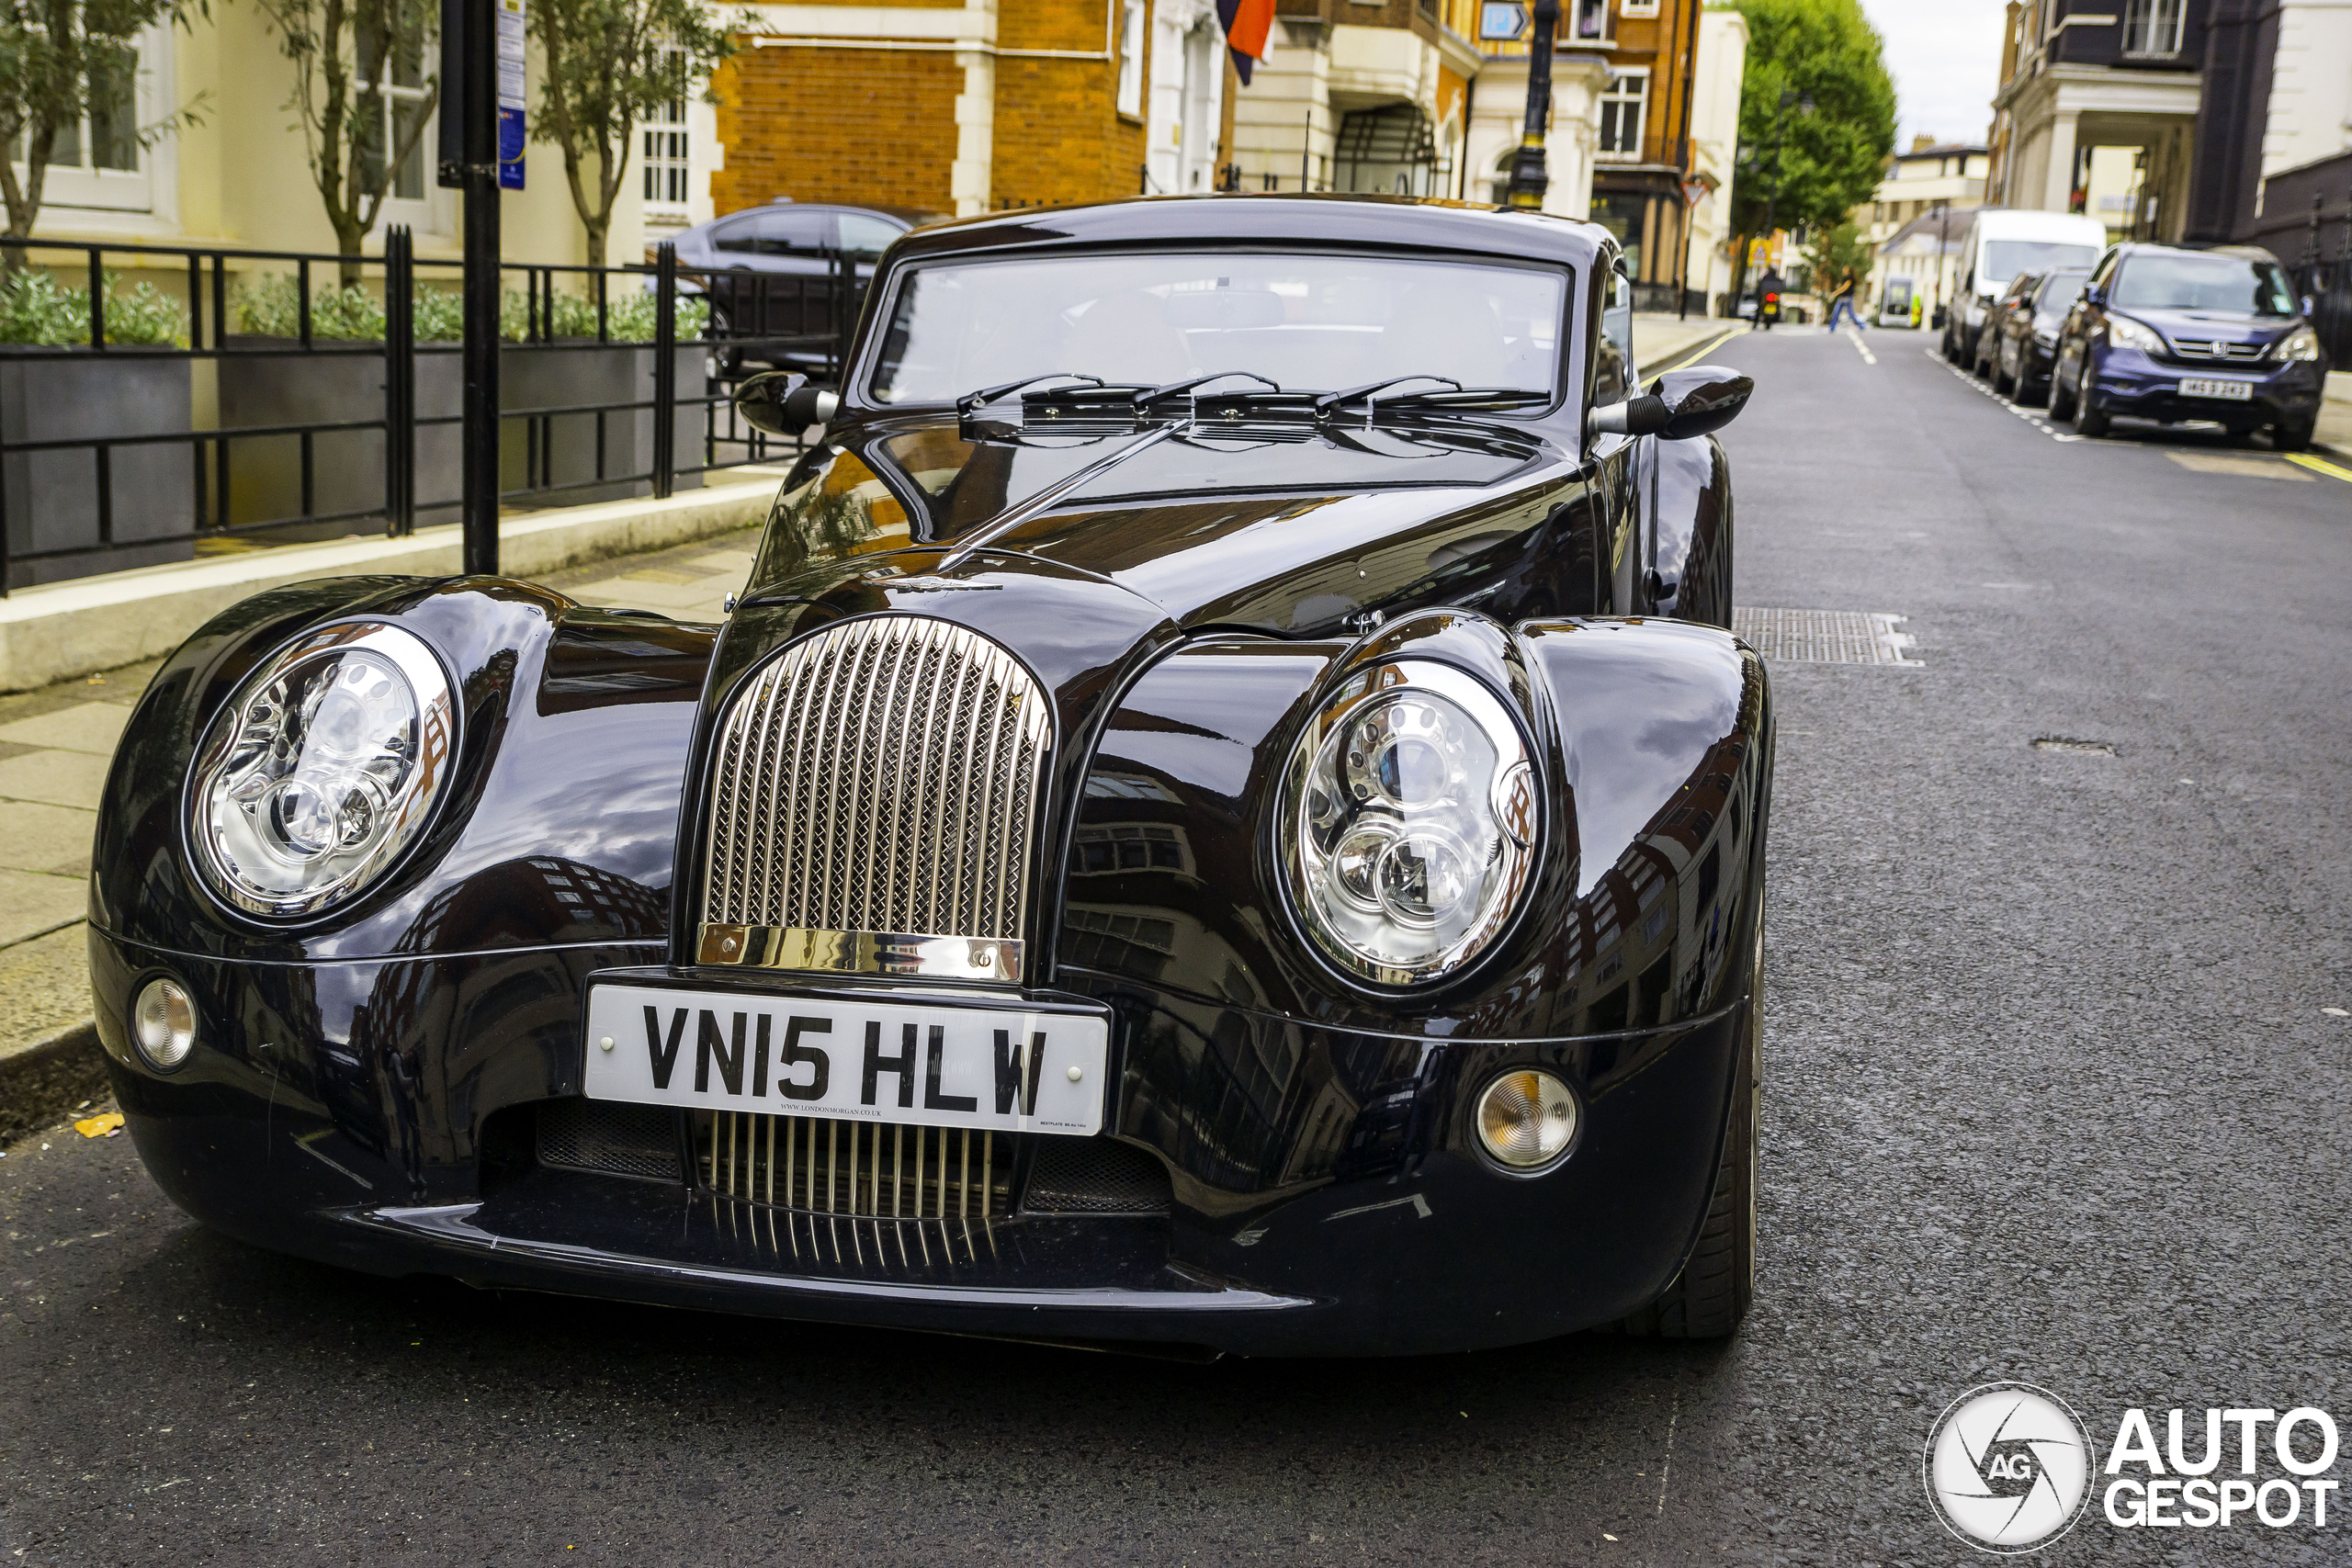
point(320, 770)
point(2303, 344)
point(1407, 822)
point(2125, 332)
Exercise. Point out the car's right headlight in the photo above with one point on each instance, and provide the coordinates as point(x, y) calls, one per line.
point(2125, 332)
point(2303, 344)
point(321, 769)
point(1407, 822)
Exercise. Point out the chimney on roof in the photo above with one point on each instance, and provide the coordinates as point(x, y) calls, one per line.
point(1921, 143)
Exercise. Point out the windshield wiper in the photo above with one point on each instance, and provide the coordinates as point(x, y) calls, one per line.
point(970, 402)
point(1472, 398)
point(1150, 395)
point(1370, 390)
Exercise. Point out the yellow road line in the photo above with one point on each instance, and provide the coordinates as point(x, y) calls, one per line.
point(2320, 465)
point(1684, 356)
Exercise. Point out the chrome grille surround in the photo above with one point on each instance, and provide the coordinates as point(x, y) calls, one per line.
point(882, 776)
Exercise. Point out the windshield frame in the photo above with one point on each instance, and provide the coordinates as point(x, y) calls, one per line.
point(1571, 361)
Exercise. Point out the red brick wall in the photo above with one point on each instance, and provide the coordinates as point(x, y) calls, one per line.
point(858, 125)
point(1059, 136)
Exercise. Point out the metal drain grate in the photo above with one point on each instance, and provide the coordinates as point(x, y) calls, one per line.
point(1823, 637)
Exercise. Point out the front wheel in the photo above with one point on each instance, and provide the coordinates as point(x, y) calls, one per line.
point(2090, 419)
point(2061, 397)
point(1711, 1297)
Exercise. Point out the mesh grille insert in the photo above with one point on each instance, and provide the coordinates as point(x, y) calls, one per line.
point(1095, 1176)
point(616, 1139)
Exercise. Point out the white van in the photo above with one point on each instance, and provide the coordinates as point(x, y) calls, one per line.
point(2002, 242)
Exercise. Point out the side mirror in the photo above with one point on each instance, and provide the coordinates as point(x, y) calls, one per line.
point(783, 403)
point(2094, 295)
point(1697, 400)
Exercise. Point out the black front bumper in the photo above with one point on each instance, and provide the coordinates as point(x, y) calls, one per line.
point(1327, 1194)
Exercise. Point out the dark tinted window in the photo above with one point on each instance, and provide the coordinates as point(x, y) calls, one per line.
point(2184, 282)
point(775, 232)
point(2059, 290)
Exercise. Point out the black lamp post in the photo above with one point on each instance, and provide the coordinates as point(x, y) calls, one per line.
point(1527, 178)
point(469, 163)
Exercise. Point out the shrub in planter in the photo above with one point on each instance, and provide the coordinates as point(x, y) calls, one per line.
point(52, 497)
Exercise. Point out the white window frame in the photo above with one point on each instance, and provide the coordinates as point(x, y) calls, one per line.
point(665, 154)
point(1615, 94)
point(1639, 9)
point(1130, 100)
point(133, 190)
point(2153, 28)
point(1603, 11)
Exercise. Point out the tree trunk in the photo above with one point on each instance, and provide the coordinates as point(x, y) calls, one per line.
point(597, 229)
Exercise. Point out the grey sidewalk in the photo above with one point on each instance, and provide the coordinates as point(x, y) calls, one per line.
point(55, 744)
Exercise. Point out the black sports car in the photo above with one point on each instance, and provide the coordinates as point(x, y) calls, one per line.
point(1227, 814)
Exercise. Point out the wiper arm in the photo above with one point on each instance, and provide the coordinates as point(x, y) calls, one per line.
point(1150, 395)
point(970, 402)
point(1369, 390)
point(1474, 397)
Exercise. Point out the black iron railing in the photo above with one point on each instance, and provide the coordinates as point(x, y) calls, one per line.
point(220, 400)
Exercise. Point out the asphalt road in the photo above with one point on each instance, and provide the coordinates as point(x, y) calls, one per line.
point(2050, 1096)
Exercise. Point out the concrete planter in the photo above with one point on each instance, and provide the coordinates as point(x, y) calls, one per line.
point(582, 371)
point(52, 497)
point(347, 466)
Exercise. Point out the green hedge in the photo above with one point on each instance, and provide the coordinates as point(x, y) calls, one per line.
point(271, 307)
point(36, 309)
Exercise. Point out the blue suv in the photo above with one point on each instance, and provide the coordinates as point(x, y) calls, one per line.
point(2170, 333)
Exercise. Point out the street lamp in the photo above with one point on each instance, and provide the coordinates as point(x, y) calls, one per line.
point(1528, 179)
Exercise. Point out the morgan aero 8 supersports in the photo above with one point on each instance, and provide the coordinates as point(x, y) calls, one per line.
point(1228, 817)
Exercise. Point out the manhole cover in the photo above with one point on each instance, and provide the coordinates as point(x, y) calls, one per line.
point(1823, 637)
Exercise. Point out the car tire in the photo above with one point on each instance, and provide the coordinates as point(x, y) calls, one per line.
point(2062, 401)
point(2090, 421)
point(1711, 1297)
point(2293, 437)
point(2003, 382)
point(2032, 394)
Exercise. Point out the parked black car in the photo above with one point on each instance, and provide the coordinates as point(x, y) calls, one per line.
point(1981, 357)
point(812, 262)
point(2170, 333)
point(1227, 814)
point(2025, 334)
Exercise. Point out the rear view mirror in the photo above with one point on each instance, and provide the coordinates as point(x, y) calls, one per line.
point(1696, 401)
point(783, 403)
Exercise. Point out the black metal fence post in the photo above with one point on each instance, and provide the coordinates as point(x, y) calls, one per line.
point(400, 384)
point(4, 570)
point(665, 370)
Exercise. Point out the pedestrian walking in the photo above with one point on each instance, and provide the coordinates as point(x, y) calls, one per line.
point(1843, 300)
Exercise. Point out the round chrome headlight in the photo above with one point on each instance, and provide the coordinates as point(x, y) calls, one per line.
point(163, 1020)
point(320, 770)
point(1526, 1119)
point(1407, 822)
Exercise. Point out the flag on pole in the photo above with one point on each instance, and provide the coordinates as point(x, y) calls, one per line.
point(1246, 24)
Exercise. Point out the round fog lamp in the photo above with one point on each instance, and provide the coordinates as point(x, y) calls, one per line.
point(1526, 1119)
point(164, 1020)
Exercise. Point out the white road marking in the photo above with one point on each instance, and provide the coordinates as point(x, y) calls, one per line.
point(1854, 336)
point(2032, 416)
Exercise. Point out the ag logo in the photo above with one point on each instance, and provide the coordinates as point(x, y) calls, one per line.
point(2007, 1467)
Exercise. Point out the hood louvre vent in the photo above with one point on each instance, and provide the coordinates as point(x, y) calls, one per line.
point(880, 776)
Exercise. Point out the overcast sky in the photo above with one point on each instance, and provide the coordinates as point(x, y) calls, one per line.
point(1944, 55)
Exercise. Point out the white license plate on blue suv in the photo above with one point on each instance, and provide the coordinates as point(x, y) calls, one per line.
point(1002, 1069)
point(2215, 387)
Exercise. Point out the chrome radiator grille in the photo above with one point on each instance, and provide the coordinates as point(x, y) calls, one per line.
point(881, 776)
point(889, 1171)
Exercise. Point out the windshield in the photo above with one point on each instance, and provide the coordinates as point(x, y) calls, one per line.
point(2059, 290)
point(1311, 323)
point(2230, 284)
point(2004, 259)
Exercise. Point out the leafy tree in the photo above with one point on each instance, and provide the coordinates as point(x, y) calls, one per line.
point(348, 57)
point(1829, 158)
point(61, 59)
point(611, 64)
point(1838, 257)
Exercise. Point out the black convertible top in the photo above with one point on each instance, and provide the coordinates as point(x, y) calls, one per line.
point(1261, 219)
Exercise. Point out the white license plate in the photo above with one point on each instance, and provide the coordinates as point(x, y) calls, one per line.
point(2228, 391)
point(1000, 1069)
